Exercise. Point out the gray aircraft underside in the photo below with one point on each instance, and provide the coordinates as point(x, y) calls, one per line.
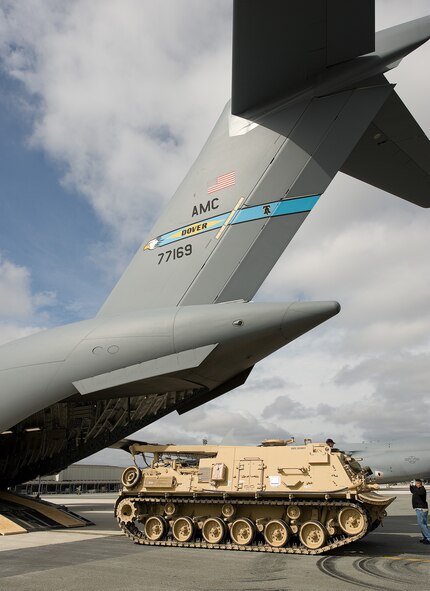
point(309, 98)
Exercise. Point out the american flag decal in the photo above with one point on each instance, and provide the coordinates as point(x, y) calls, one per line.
point(223, 181)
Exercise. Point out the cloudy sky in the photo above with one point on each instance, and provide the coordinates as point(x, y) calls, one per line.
point(104, 105)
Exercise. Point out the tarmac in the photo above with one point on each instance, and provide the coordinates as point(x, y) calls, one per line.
point(100, 557)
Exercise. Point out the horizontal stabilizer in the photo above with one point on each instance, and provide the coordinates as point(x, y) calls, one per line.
point(143, 371)
point(393, 154)
point(281, 47)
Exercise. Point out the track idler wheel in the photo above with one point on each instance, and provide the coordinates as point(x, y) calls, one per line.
point(277, 533)
point(313, 535)
point(155, 528)
point(242, 531)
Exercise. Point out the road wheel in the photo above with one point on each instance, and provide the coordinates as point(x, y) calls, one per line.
point(351, 521)
point(242, 531)
point(213, 530)
point(313, 535)
point(183, 529)
point(277, 533)
point(155, 528)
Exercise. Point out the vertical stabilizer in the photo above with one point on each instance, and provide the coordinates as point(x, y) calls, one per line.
point(242, 202)
point(309, 76)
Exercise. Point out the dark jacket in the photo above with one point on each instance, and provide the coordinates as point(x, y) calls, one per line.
point(418, 497)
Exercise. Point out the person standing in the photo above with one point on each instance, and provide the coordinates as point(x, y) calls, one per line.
point(419, 503)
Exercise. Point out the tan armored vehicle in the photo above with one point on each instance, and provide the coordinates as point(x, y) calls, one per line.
point(277, 497)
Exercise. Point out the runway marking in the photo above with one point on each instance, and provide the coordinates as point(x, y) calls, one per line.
point(410, 559)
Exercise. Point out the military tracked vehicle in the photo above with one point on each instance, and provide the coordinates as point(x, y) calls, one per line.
point(276, 497)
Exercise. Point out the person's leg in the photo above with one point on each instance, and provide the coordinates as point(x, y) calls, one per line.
point(422, 522)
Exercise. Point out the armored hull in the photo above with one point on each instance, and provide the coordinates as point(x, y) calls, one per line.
point(277, 497)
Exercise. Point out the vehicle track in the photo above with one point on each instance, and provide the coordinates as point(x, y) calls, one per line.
point(334, 542)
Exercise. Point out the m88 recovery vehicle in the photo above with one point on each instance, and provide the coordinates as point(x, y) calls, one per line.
point(277, 497)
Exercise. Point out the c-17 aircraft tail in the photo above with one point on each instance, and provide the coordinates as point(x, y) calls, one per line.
point(309, 98)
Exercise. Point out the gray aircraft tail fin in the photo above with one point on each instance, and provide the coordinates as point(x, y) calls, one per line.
point(242, 202)
point(308, 77)
point(393, 154)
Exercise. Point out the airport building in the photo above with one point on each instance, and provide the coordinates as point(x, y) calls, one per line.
point(76, 479)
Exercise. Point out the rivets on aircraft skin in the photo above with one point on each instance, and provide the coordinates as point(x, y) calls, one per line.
point(113, 349)
point(97, 350)
point(237, 322)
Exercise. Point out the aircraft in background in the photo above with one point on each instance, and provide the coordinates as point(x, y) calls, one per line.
point(393, 461)
point(309, 98)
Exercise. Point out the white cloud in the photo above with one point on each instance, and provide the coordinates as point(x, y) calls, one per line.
point(287, 407)
point(212, 422)
point(122, 96)
point(21, 311)
point(15, 295)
